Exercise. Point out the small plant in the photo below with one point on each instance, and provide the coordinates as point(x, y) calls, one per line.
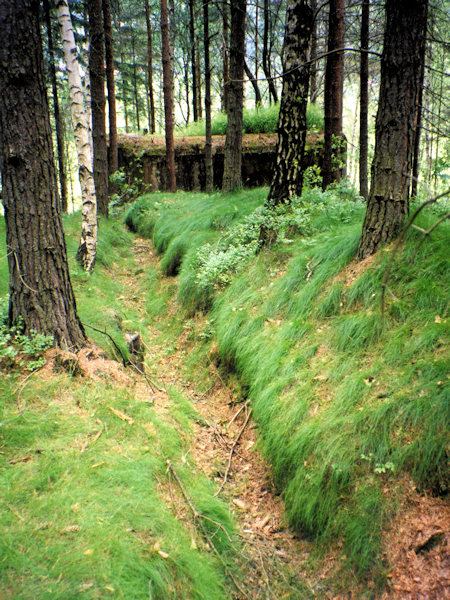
point(18, 349)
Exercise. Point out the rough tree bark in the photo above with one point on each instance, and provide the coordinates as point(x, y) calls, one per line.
point(364, 102)
point(195, 90)
point(151, 116)
point(235, 96)
point(135, 83)
point(88, 243)
point(225, 47)
point(418, 130)
point(40, 289)
point(334, 85)
point(113, 160)
point(171, 185)
point(288, 172)
point(199, 78)
point(312, 56)
point(97, 76)
point(209, 173)
point(58, 121)
point(403, 54)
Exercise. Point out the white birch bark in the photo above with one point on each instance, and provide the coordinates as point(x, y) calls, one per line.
point(88, 244)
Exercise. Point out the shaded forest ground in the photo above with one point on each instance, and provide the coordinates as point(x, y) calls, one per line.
point(85, 477)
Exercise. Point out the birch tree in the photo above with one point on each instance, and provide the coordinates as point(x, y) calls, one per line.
point(88, 243)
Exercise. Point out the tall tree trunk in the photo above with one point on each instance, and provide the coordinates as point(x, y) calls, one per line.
point(87, 77)
point(266, 54)
point(135, 85)
point(58, 121)
point(289, 167)
point(253, 81)
point(111, 86)
point(334, 84)
point(199, 79)
point(232, 178)
point(225, 57)
point(88, 244)
point(168, 99)
point(209, 174)
point(195, 90)
point(403, 54)
point(97, 75)
point(364, 102)
point(151, 116)
point(256, 40)
point(187, 85)
point(40, 289)
point(313, 55)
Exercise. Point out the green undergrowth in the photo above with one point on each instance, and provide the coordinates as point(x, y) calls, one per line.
point(349, 407)
point(88, 508)
point(263, 119)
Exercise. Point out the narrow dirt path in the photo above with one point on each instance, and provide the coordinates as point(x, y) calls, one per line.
point(225, 448)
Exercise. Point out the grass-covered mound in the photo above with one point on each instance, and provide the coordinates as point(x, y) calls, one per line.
point(86, 500)
point(350, 408)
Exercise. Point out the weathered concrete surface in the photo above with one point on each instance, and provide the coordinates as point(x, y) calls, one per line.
point(143, 157)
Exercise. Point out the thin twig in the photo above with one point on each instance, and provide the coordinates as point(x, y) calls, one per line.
point(197, 516)
point(266, 577)
point(233, 447)
point(20, 274)
point(111, 338)
point(238, 413)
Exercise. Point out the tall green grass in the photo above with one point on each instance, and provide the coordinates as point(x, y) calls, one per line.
point(263, 119)
point(87, 506)
point(348, 406)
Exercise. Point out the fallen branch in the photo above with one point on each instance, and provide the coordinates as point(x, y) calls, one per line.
point(427, 233)
point(197, 518)
point(233, 447)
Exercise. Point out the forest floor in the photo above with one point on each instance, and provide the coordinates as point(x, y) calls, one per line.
point(225, 449)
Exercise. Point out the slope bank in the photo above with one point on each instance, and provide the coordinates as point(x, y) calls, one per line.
point(352, 411)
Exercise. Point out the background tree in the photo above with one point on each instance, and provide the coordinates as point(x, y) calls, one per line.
point(40, 289)
point(150, 94)
point(403, 54)
point(334, 84)
point(235, 97)
point(59, 126)
point(97, 76)
point(364, 102)
point(287, 178)
point(209, 173)
point(168, 99)
point(87, 249)
point(113, 160)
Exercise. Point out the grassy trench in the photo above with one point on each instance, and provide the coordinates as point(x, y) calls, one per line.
point(87, 507)
point(349, 408)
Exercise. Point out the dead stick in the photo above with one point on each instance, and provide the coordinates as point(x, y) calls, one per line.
point(238, 413)
point(230, 458)
point(206, 535)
